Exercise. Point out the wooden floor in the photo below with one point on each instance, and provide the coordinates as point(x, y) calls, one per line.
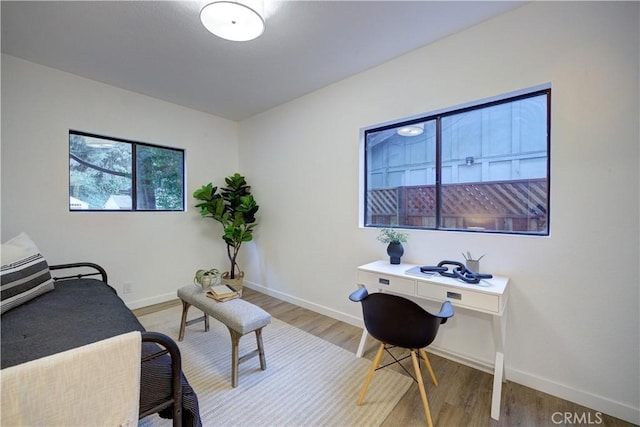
point(463, 397)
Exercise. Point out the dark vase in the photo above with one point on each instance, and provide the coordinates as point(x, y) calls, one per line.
point(395, 251)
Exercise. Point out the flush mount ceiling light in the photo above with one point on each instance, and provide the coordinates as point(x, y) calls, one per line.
point(411, 130)
point(233, 20)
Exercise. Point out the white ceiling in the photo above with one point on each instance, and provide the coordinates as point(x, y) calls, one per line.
point(160, 48)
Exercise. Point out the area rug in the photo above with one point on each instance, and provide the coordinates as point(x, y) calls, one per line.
point(308, 381)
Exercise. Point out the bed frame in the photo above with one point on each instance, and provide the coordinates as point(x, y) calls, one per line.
point(175, 401)
point(171, 406)
point(168, 345)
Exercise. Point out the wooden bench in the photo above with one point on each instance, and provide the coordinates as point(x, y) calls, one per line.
point(239, 316)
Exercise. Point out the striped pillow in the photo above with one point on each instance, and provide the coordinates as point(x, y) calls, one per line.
point(25, 278)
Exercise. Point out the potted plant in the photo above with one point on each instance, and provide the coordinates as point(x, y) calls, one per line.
point(234, 207)
point(206, 278)
point(394, 239)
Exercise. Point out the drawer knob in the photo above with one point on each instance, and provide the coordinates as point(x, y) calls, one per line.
point(454, 295)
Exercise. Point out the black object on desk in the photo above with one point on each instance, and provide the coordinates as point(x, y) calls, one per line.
point(459, 272)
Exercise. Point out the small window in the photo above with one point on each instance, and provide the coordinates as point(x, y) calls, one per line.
point(111, 174)
point(481, 168)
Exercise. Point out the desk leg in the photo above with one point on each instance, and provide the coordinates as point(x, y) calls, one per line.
point(497, 386)
point(499, 333)
point(363, 340)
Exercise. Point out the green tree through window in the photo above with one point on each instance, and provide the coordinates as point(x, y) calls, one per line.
point(116, 174)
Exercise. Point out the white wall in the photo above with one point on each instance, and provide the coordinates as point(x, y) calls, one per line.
point(573, 326)
point(573, 314)
point(157, 252)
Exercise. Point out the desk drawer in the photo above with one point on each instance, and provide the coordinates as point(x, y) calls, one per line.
point(462, 297)
point(384, 281)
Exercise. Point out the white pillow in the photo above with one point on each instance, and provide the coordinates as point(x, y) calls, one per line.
point(24, 274)
point(17, 248)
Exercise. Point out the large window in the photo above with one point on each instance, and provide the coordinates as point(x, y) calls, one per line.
point(480, 168)
point(119, 175)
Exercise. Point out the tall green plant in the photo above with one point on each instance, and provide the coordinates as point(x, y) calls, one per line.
point(235, 208)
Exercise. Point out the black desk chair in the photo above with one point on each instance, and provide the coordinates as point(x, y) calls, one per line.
point(399, 322)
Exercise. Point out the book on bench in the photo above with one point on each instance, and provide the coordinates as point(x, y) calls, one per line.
point(222, 293)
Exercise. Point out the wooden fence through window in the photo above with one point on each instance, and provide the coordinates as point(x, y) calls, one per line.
point(512, 206)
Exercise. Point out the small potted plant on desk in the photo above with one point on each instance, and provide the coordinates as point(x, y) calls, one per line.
point(394, 240)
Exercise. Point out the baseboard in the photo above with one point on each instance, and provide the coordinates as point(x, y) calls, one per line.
point(480, 365)
point(597, 403)
point(334, 314)
point(589, 400)
point(133, 305)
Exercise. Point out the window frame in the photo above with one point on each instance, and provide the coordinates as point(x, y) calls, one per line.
point(437, 117)
point(134, 175)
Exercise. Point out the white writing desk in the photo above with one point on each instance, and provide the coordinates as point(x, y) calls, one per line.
point(489, 296)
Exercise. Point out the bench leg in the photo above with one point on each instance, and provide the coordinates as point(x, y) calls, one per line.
point(183, 322)
point(235, 354)
point(235, 357)
point(263, 360)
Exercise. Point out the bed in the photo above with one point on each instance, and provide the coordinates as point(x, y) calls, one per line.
point(82, 309)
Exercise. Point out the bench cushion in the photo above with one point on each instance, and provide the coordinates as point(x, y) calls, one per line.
point(237, 314)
